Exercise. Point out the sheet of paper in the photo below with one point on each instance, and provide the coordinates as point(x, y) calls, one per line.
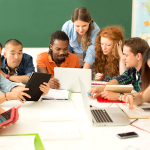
point(143, 125)
point(57, 94)
point(59, 130)
point(57, 115)
point(141, 142)
point(17, 142)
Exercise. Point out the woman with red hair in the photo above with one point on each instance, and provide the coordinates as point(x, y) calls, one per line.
point(108, 51)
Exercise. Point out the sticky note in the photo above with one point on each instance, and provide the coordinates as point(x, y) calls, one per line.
point(146, 23)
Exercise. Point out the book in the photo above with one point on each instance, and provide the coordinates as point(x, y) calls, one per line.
point(57, 94)
point(37, 141)
point(35, 80)
point(119, 88)
point(59, 125)
point(137, 112)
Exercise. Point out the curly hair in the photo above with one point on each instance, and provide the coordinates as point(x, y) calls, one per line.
point(84, 15)
point(108, 64)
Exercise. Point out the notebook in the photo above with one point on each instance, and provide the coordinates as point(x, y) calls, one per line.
point(137, 112)
point(119, 88)
point(103, 116)
point(68, 78)
point(57, 94)
point(35, 80)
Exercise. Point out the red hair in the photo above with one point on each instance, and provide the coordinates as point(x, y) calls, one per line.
point(108, 64)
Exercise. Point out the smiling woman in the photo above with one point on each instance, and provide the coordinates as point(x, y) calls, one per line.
point(82, 32)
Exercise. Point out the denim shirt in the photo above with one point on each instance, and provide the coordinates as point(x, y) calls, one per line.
point(5, 84)
point(26, 66)
point(75, 47)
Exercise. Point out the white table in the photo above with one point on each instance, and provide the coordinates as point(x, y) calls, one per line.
point(92, 138)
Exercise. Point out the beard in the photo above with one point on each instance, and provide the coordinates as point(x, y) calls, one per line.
point(61, 60)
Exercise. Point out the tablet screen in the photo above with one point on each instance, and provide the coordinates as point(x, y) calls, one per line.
point(5, 116)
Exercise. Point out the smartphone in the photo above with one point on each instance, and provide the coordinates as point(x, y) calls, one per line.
point(127, 135)
point(146, 109)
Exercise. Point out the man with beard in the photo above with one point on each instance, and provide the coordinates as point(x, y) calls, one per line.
point(58, 56)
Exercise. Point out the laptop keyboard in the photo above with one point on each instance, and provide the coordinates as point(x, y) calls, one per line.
point(101, 115)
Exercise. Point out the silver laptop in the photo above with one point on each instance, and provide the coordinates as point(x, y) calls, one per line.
point(68, 78)
point(103, 116)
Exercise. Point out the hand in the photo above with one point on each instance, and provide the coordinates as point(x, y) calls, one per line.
point(95, 92)
point(119, 47)
point(128, 99)
point(19, 94)
point(44, 88)
point(109, 95)
point(99, 76)
point(54, 83)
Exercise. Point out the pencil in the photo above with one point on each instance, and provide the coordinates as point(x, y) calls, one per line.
point(147, 119)
point(133, 107)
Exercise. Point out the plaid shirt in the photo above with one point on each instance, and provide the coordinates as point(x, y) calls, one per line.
point(129, 77)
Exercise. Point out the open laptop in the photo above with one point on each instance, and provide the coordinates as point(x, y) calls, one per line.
point(103, 116)
point(68, 78)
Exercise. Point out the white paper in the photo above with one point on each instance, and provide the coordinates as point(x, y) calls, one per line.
point(57, 94)
point(142, 141)
point(17, 142)
point(59, 130)
point(57, 115)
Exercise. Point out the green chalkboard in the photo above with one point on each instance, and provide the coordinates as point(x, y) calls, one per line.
point(33, 21)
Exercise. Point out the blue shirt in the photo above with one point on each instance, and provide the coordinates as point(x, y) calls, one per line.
point(26, 66)
point(5, 84)
point(75, 47)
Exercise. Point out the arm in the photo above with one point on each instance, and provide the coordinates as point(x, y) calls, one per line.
point(122, 66)
point(53, 83)
point(90, 52)
point(86, 65)
point(22, 78)
point(96, 91)
point(15, 78)
point(137, 98)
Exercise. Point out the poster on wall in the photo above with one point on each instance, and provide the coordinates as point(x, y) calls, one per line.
point(143, 19)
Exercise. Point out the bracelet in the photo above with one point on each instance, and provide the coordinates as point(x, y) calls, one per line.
point(132, 95)
point(7, 77)
point(5, 97)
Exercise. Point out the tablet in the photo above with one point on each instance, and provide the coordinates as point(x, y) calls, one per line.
point(35, 80)
point(119, 88)
point(69, 78)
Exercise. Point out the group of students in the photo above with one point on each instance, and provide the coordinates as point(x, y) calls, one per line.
point(81, 44)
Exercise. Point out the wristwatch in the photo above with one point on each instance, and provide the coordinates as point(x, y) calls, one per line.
point(121, 94)
point(7, 77)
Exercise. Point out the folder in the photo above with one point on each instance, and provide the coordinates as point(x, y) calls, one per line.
point(37, 142)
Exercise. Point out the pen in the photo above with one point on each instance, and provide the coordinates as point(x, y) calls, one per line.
point(133, 121)
point(133, 108)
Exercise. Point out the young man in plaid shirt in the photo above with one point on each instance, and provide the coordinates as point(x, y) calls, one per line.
point(133, 51)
